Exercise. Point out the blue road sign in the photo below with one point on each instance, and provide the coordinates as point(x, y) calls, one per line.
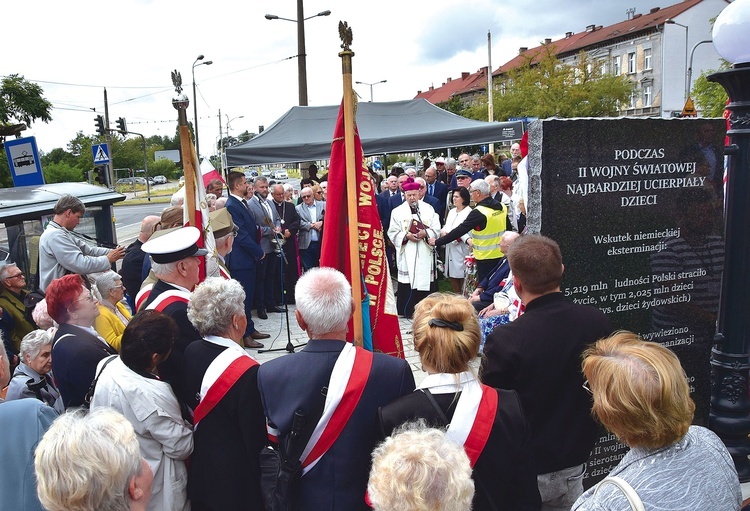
point(376, 165)
point(24, 163)
point(101, 153)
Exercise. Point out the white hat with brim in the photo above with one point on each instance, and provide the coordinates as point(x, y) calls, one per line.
point(175, 245)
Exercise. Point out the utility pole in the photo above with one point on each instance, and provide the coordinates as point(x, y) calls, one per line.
point(490, 104)
point(221, 149)
point(108, 137)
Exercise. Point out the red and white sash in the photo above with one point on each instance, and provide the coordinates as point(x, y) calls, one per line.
point(167, 298)
point(224, 273)
point(475, 411)
point(220, 376)
point(142, 296)
point(348, 380)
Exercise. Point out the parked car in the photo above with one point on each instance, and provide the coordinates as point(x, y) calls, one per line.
point(266, 172)
point(131, 181)
point(251, 174)
point(280, 174)
point(160, 180)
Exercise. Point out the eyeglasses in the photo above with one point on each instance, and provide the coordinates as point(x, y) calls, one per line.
point(118, 287)
point(587, 388)
point(16, 276)
point(88, 298)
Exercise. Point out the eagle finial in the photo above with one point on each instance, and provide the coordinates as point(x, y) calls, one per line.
point(177, 81)
point(345, 33)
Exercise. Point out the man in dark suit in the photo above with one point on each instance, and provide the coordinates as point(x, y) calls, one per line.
point(437, 189)
point(174, 260)
point(132, 263)
point(289, 226)
point(429, 199)
point(539, 356)
point(391, 187)
point(246, 252)
point(335, 477)
point(269, 223)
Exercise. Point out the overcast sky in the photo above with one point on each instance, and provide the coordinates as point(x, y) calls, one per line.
point(131, 46)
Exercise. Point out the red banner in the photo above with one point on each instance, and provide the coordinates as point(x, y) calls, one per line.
point(383, 319)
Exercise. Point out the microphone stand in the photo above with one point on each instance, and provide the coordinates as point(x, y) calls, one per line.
point(290, 347)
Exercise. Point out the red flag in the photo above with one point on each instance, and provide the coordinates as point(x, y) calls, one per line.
point(197, 190)
point(336, 246)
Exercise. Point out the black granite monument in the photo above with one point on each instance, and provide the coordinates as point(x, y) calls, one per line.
point(636, 206)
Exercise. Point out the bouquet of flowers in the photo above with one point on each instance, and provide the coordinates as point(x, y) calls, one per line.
point(470, 275)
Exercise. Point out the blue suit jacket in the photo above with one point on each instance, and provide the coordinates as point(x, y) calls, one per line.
point(432, 201)
point(491, 283)
point(246, 251)
point(384, 210)
point(339, 480)
point(441, 194)
point(396, 200)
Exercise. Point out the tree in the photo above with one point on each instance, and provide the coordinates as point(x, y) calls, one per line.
point(163, 167)
point(63, 173)
point(454, 105)
point(710, 96)
point(550, 88)
point(22, 101)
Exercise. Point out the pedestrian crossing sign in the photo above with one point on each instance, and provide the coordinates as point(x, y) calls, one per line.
point(101, 153)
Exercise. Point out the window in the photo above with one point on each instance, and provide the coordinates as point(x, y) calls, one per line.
point(631, 63)
point(647, 60)
point(632, 100)
point(648, 95)
point(603, 67)
point(616, 69)
point(503, 88)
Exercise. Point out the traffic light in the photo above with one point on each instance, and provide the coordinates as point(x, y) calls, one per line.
point(101, 175)
point(121, 126)
point(100, 124)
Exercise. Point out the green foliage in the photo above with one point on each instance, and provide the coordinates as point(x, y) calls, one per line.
point(165, 168)
point(549, 88)
point(456, 106)
point(22, 101)
point(62, 173)
point(58, 155)
point(710, 96)
point(6, 181)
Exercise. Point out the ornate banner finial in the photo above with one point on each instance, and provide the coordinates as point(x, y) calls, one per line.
point(345, 33)
point(177, 81)
point(180, 102)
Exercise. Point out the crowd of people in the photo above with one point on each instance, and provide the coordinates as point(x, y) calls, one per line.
point(181, 416)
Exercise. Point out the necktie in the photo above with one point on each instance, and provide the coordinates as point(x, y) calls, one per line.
point(432, 190)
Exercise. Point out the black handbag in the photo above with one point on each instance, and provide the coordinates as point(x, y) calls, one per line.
point(280, 466)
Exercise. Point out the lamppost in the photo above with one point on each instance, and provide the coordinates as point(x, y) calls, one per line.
point(233, 118)
point(301, 55)
point(371, 85)
point(730, 360)
point(195, 102)
point(670, 21)
point(690, 67)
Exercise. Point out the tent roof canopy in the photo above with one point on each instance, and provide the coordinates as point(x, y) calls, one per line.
point(305, 133)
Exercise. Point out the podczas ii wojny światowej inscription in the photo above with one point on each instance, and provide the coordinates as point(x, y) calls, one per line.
point(636, 206)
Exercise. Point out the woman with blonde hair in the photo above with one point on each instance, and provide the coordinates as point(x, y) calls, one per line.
point(416, 469)
point(489, 423)
point(641, 394)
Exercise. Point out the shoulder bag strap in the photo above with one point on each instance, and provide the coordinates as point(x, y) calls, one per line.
point(300, 435)
point(440, 413)
point(633, 499)
point(90, 394)
point(475, 476)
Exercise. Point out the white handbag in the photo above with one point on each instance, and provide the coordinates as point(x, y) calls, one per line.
point(633, 499)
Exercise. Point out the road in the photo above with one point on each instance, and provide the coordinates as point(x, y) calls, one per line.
point(128, 220)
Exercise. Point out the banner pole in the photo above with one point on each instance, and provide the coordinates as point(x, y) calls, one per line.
point(351, 180)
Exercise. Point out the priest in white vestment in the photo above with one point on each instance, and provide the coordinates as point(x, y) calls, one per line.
point(412, 224)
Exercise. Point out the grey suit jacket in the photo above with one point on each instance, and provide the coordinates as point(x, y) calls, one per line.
point(304, 223)
point(262, 220)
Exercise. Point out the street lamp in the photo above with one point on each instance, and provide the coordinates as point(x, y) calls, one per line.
point(690, 67)
point(730, 358)
point(670, 21)
point(371, 84)
point(301, 55)
point(233, 118)
point(195, 102)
